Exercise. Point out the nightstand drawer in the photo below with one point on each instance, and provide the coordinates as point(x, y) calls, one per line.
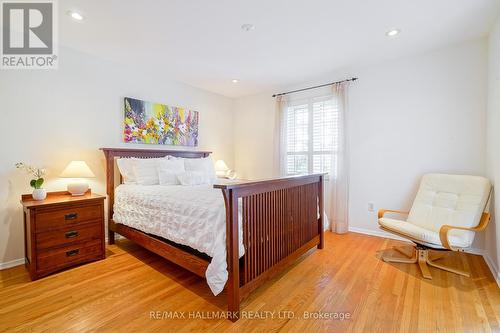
point(69, 255)
point(67, 216)
point(70, 234)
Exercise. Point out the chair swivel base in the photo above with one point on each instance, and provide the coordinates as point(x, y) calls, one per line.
point(424, 258)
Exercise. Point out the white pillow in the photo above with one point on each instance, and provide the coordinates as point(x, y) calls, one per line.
point(204, 165)
point(169, 169)
point(146, 170)
point(193, 178)
point(126, 168)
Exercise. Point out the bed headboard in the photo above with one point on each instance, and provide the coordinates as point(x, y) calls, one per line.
point(112, 153)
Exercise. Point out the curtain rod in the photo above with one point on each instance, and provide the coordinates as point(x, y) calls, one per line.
point(320, 86)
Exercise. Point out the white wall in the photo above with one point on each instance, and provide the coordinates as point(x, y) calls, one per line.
point(254, 134)
point(409, 116)
point(51, 117)
point(493, 140)
point(413, 116)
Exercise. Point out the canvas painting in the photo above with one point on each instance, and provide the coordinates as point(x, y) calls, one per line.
point(154, 123)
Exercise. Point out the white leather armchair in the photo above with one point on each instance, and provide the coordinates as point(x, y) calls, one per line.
point(446, 213)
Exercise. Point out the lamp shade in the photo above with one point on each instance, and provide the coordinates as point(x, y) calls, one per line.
point(220, 168)
point(220, 165)
point(77, 169)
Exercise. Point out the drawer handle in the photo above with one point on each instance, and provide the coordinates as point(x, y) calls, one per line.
point(72, 252)
point(71, 234)
point(71, 216)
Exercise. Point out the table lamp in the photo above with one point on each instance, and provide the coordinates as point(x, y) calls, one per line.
point(221, 168)
point(77, 170)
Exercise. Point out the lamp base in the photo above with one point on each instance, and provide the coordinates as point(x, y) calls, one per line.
point(78, 188)
point(221, 173)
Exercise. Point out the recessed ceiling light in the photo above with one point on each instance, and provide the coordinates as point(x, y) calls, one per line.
point(248, 27)
point(393, 32)
point(75, 15)
point(235, 81)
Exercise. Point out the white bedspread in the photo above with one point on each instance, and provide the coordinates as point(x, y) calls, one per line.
point(189, 215)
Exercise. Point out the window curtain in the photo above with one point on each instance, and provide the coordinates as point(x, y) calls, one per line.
point(337, 187)
point(279, 163)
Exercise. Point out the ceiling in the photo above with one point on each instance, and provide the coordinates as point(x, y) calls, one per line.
point(201, 43)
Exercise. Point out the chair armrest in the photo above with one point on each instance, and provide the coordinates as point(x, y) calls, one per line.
point(443, 231)
point(381, 212)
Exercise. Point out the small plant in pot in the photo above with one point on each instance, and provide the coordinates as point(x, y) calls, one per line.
point(39, 193)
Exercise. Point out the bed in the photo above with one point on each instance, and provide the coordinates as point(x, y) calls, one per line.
point(237, 235)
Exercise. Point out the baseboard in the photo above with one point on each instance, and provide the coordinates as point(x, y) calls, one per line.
point(12, 263)
point(377, 233)
point(493, 268)
point(380, 233)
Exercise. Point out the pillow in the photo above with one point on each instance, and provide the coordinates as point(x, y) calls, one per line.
point(126, 168)
point(146, 170)
point(168, 170)
point(194, 178)
point(204, 165)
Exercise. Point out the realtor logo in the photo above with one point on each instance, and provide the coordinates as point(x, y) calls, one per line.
point(28, 35)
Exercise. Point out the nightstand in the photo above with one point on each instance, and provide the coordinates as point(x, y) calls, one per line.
point(62, 231)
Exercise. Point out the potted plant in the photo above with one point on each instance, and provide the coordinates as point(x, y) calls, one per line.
point(39, 193)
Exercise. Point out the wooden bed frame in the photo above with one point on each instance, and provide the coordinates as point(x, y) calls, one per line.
point(280, 224)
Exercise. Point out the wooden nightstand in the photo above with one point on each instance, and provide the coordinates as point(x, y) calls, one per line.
point(62, 231)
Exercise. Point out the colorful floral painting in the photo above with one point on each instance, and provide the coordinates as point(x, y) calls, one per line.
point(154, 123)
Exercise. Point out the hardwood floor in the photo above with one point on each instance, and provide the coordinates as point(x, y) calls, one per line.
point(125, 291)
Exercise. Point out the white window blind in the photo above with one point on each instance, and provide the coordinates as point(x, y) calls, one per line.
point(312, 136)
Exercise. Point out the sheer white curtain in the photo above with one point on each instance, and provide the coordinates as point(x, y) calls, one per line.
point(337, 188)
point(318, 129)
point(280, 139)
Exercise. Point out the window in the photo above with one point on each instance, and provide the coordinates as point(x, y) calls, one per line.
point(311, 136)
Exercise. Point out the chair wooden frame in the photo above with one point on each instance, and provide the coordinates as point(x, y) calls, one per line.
point(280, 224)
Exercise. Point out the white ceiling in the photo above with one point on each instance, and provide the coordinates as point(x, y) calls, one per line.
point(201, 43)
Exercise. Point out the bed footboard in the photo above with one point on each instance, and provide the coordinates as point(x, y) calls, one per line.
point(282, 220)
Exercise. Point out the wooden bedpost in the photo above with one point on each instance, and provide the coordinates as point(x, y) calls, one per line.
point(321, 208)
point(110, 190)
point(233, 267)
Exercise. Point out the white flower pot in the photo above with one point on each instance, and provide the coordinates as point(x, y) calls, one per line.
point(39, 194)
